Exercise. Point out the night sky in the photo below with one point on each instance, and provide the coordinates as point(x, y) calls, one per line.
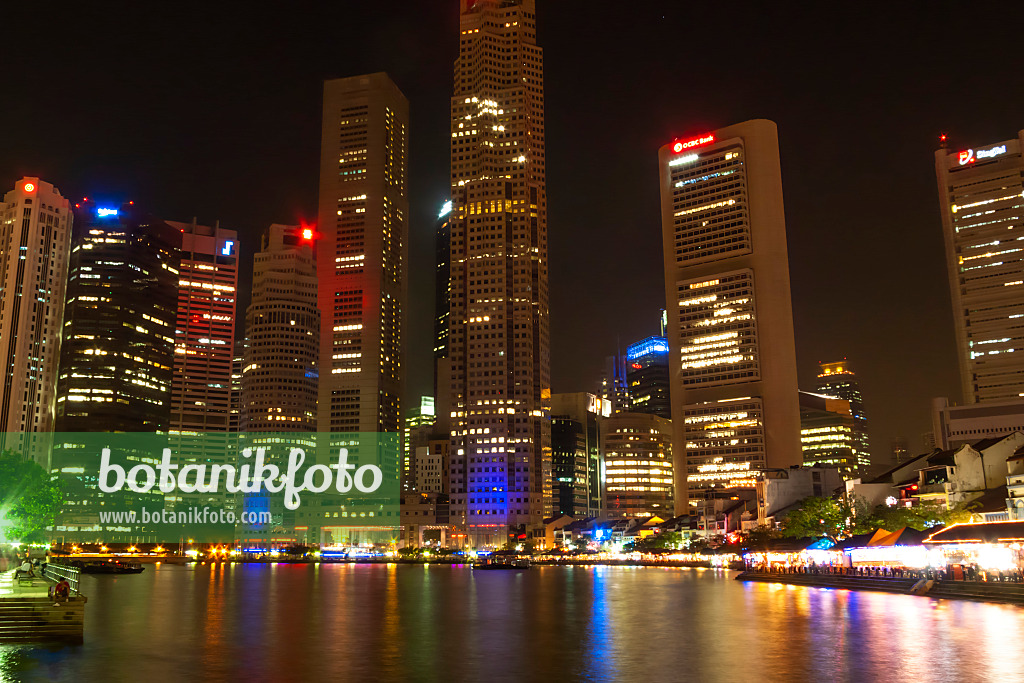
point(216, 114)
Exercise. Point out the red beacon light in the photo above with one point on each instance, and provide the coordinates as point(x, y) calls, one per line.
point(307, 233)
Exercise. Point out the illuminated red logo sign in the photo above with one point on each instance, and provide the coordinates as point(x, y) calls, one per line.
point(637, 366)
point(967, 157)
point(696, 142)
point(30, 187)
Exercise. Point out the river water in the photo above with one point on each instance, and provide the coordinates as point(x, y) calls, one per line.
point(344, 622)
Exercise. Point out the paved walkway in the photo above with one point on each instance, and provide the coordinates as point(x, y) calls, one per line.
point(10, 588)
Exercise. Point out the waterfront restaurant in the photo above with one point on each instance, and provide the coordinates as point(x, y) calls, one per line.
point(989, 546)
point(782, 553)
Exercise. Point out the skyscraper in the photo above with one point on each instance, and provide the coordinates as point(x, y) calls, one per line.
point(442, 285)
point(35, 242)
point(730, 322)
point(500, 385)
point(638, 468)
point(282, 326)
point(576, 452)
point(647, 376)
point(204, 335)
point(362, 254)
point(117, 354)
point(838, 380)
point(981, 196)
point(828, 434)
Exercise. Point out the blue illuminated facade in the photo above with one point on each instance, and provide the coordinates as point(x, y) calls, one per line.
point(647, 376)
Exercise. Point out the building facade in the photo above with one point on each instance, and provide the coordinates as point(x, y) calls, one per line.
point(362, 254)
point(638, 477)
point(647, 377)
point(828, 433)
point(499, 318)
point(280, 373)
point(838, 380)
point(954, 425)
point(576, 452)
point(730, 323)
point(418, 428)
point(35, 244)
point(980, 199)
point(117, 355)
point(204, 335)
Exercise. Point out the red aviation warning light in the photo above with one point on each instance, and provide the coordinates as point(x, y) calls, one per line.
point(307, 234)
point(681, 145)
point(30, 187)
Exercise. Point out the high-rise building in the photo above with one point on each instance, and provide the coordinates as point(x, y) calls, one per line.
point(576, 452)
point(647, 376)
point(418, 428)
point(282, 327)
point(204, 335)
point(117, 355)
point(838, 380)
point(442, 285)
point(638, 467)
point(614, 386)
point(730, 322)
point(499, 346)
point(828, 434)
point(362, 254)
point(237, 363)
point(35, 243)
point(981, 196)
point(900, 449)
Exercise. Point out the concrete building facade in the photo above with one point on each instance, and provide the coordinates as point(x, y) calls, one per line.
point(280, 371)
point(35, 244)
point(204, 336)
point(363, 254)
point(499, 315)
point(638, 465)
point(981, 197)
point(730, 324)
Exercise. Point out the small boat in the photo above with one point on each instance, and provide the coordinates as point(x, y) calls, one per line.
point(109, 567)
point(502, 563)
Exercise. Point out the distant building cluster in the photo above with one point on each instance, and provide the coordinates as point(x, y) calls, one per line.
point(117, 320)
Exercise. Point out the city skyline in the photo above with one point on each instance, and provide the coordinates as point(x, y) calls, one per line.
point(900, 213)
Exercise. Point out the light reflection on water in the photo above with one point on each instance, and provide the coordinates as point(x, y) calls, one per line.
point(409, 623)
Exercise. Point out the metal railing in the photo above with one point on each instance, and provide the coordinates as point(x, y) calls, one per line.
point(56, 572)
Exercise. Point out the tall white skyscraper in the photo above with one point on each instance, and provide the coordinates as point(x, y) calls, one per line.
point(500, 464)
point(35, 243)
point(981, 197)
point(732, 356)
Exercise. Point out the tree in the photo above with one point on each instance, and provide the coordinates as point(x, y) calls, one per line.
point(759, 537)
point(30, 498)
point(816, 517)
point(919, 517)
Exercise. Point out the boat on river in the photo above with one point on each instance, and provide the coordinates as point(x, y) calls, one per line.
point(502, 562)
point(109, 567)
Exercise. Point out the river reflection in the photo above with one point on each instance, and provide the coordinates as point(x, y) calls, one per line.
point(416, 623)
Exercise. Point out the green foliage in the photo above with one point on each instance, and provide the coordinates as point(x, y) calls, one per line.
point(920, 517)
point(760, 536)
point(817, 517)
point(29, 499)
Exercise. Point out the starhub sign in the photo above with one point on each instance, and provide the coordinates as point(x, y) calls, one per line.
point(258, 489)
